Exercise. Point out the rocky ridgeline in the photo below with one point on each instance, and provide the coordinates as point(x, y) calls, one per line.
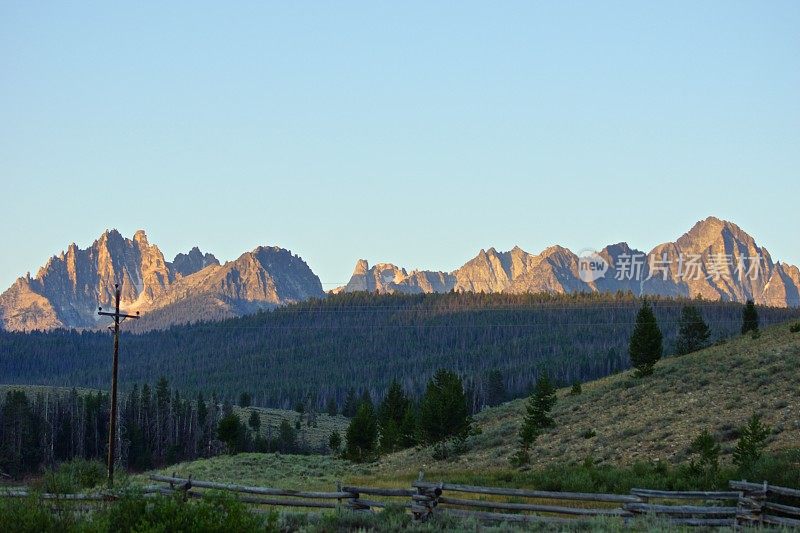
point(716, 260)
point(67, 290)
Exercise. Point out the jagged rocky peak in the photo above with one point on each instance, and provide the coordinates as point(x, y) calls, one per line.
point(67, 290)
point(715, 259)
point(362, 267)
point(381, 277)
point(193, 261)
point(714, 232)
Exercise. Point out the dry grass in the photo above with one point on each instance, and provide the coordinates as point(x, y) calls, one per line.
point(653, 418)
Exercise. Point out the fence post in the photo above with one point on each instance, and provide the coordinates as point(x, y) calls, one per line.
point(750, 506)
point(353, 502)
point(425, 499)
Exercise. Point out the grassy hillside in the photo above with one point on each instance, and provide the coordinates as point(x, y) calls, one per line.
point(653, 418)
point(314, 431)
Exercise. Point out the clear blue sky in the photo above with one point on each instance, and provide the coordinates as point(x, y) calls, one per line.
point(411, 132)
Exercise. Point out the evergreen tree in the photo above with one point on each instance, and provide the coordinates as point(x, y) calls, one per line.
point(287, 437)
point(245, 400)
point(408, 428)
point(495, 388)
point(202, 410)
point(577, 388)
point(362, 434)
point(537, 417)
point(646, 341)
point(708, 451)
point(443, 410)
point(334, 441)
point(693, 332)
point(21, 430)
point(366, 397)
point(350, 404)
point(392, 413)
point(749, 318)
point(540, 404)
point(254, 422)
point(229, 431)
point(332, 408)
point(751, 444)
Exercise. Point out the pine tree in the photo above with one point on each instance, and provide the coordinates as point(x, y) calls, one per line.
point(202, 410)
point(749, 318)
point(350, 404)
point(708, 451)
point(229, 431)
point(334, 441)
point(495, 388)
point(646, 341)
point(362, 434)
point(751, 444)
point(443, 409)
point(392, 411)
point(540, 404)
point(693, 332)
point(287, 437)
point(408, 428)
point(366, 397)
point(332, 408)
point(245, 400)
point(537, 417)
point(254, 422)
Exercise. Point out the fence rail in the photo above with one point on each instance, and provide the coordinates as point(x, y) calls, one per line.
point(755, 503)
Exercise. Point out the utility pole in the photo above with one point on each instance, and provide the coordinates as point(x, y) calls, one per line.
point(112, 428)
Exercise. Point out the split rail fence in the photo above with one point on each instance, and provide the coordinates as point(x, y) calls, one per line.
point(751, 504)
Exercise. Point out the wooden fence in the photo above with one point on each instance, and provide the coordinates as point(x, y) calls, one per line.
point(745, 504)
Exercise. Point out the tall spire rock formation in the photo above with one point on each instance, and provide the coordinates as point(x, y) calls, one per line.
point(715, 260)
point(69, 287)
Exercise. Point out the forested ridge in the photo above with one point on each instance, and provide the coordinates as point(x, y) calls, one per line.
point(318, 350)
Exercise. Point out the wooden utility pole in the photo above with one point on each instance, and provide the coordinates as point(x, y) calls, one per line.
point(112, 428)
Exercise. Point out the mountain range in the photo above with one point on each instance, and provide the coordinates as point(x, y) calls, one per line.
point(715, 260)
point(68, 289)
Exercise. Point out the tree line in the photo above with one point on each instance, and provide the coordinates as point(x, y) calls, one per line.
point(316, 351)
point(157, 426)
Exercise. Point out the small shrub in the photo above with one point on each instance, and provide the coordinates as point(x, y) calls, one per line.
point(73, 476)
point(795, 328)
point(450, 448)
point(520, 458)
point(28, 516)
point(588, 434)
point(577, 389)
point(216, 512)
